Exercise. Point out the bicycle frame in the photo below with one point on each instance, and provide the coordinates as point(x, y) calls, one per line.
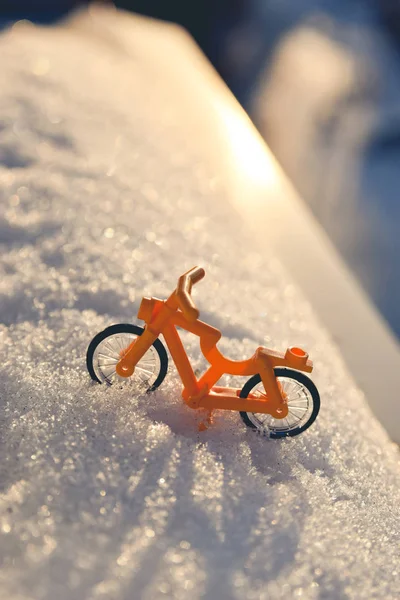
point(164, 317)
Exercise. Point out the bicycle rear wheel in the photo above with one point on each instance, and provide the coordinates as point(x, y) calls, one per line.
point(105, 351)
point(302, 399)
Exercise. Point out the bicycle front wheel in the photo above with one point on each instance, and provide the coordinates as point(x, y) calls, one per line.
point(302, 399)
point(105, 351)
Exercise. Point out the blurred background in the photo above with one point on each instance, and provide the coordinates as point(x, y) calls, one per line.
point(321, 81)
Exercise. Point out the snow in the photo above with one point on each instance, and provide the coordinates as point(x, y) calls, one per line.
point(109, 494)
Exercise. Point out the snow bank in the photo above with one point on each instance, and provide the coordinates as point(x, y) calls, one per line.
point(105, 494)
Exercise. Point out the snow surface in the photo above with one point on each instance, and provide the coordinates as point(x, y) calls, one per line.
point(105, 494)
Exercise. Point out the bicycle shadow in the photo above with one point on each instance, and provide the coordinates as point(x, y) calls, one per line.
point(182, 488)
point(266, 455)
point(224, 548)
point(224, 528)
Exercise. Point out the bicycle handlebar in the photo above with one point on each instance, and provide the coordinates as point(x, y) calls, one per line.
point(184, 289)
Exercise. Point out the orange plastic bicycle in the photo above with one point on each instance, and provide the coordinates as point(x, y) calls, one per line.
point(277, 401)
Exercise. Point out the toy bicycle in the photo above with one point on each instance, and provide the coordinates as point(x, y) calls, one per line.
point(278, 400)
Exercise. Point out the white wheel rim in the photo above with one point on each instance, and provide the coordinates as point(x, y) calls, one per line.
point(108, 353)
point(300, 406)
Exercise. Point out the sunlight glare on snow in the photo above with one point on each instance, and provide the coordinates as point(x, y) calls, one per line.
point(247, 148)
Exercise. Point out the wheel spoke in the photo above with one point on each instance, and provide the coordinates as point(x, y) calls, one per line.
point(295, 397)
point(299, 410)
point(145, 363)
point(291, 419)
point(108, 362)
point(265, 419)
point(105, 355)
point(295, 420)
point(107, 368)
point(110, 344)
point(144, 370)
point(121, 344)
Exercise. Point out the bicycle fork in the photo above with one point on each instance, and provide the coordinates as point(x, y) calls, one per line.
point(277, 406)
point(160, 312)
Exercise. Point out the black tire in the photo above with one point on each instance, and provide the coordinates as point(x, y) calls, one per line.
point(98, 373)
point(276, 427)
